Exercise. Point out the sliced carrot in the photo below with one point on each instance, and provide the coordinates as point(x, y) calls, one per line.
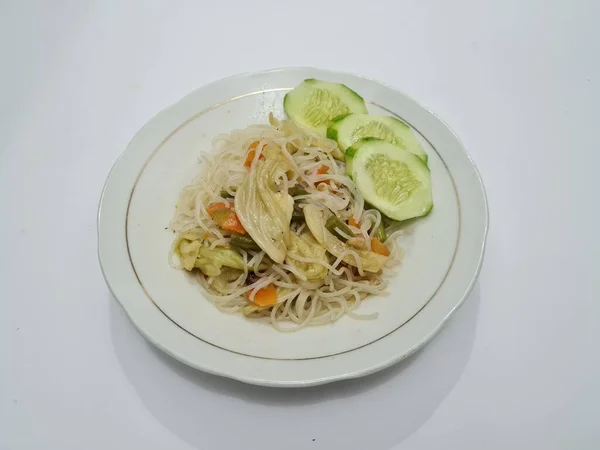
point(250, 158)
point(207, 234)
point(210, 209)
point(252, 154)
point(266, 296)
point(232, 223)
point(379, 247)
point(225, 217)
point(353, 222)
point(321, 170)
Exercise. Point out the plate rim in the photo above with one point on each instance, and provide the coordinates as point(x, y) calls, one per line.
point(178, 335)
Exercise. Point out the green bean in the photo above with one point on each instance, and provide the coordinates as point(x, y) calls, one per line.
point(297, 215)
point(380, 234)
point(245, 242)
point(334, 223)
point(298, 190)
point(226, 194)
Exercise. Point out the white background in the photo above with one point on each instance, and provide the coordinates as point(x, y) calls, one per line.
point(518, 366)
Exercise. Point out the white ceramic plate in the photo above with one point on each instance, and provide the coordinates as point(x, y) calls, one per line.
point(444, 251)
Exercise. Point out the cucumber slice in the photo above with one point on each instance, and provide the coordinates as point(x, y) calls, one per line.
point(314, 103)
point(349, 129)
point(393, 180)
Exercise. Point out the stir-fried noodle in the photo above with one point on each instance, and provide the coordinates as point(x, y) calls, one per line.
point(274, 229)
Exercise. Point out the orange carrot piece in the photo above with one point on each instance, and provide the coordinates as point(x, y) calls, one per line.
point(379, 247)
point(353, 222)
point(210, 209)
point(322, 170)
point(250, 158)
point(232, 223)
point(251, 154)
point(266, 296)
point(225, 217)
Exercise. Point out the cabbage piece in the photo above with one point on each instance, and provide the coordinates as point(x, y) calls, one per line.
point(187, 250)
point(211, 261)
point(227, 275)
point(250, 309)
point(306, 246)
point(371, 261)
point(193, 255)
point(264, 212)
